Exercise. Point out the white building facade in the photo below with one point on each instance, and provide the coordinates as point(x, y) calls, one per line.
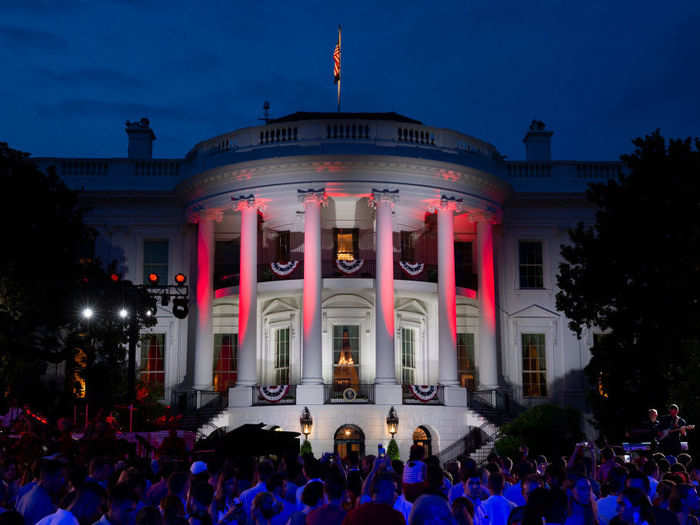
point(339, 262)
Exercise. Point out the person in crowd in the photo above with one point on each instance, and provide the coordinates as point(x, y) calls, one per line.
point(332, 513)
point(225, 492)
point(634, 508)
point(42, 499)
point(82, 509)
point(264, 509)
point(431, 509)
point(199, 503)
point(121, 507)
point(380, 509)
point(311, 498)
point(582, 504)
point(651, 471)
point(514, 493)
point(529, 485)
point(463, 511)
point(312, 473)
point(607, 506)
point(149, 515)
point(468, 465)
point(173, 511)
point(264, 471)
point(178, 483)
point(497, 508)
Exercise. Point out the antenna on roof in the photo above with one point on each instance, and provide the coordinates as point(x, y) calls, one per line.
point(266, 109)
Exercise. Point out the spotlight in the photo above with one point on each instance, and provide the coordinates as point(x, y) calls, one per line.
point(180, 279)
point(180, 308)
point(153, 278)
point(123, 313)
point(151, 307)
point(87, 313)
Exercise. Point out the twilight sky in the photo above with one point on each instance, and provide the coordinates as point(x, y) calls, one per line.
point(598, 73)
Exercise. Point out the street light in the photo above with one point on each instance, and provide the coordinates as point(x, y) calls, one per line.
point(306, 422)
point(88, 313)
point(123, 313)
point(392, 422)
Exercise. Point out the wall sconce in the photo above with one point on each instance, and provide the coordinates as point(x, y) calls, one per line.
point(392, 422)
point(306, 422)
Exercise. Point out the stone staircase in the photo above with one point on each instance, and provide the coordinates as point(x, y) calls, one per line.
point(202, 411)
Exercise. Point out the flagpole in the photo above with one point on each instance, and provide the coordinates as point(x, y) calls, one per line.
point(340, 76)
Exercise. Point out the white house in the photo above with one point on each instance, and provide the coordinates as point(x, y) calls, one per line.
point(349, 256)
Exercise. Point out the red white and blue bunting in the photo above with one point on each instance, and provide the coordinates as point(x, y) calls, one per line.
point(284, 269)
point(412, 269)
point(349, 267)
point(424, 393)
point(273, 393)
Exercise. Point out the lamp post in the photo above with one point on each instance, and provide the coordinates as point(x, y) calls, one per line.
point(306, 422)
point(392, 422)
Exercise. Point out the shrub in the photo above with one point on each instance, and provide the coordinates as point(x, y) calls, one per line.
point(393, 450)
point(306, 448)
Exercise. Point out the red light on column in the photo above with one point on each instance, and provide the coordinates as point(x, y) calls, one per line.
point(153, 278)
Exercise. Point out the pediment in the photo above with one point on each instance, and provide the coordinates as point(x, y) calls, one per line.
point(412, 306)
point(536, 310)
point(278, 306)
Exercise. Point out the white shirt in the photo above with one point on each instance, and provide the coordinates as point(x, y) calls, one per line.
point(498, 509)
point(607, 509)
point(403, 506)
point(247, 496)
point(60, 517)
point(300, 491)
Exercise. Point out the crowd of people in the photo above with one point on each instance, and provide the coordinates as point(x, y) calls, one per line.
point(50, 478)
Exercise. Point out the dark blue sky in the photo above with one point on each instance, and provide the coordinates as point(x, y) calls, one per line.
point(598, 73)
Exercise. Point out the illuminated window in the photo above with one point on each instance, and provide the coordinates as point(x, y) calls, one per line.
point(155, 260)
point(152, 369)
point(346, 355)
point(466, 369)
point(282, 356)
point(408, 356)
point(534, 365)
point(346, 244)
point(531, 266)
point(225, 361)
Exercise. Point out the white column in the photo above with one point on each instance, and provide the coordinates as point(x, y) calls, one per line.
point(384, 288)
point(248, 294)
point(447, 295)
point(313, 280)
point(488, 365)
point(204, 340)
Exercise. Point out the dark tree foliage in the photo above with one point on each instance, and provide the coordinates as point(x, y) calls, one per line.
point(635, 275)
point(45, 280)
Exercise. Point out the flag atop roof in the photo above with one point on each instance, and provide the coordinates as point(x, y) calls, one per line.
point(336, 65)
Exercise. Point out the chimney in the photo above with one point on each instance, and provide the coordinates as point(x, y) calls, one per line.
point(141, 139)
point(538, 143)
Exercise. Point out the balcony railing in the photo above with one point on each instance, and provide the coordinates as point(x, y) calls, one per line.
point(349, 393)
point(289, 398)
point(267, 273)
point(409, 398)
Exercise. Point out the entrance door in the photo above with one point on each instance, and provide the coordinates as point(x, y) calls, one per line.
point(421, 436)
point(349, 438)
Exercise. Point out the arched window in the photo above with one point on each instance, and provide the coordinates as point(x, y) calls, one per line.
point(349, 438)
point(421, 436)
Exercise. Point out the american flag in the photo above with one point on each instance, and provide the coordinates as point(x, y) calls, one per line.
point(336, 63)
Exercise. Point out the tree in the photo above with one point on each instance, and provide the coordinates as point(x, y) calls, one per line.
point(46, 276)
point(634, 277)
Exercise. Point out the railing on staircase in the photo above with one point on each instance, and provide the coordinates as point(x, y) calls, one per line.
point(477, 444)
point(495, 405)
point(198, 407)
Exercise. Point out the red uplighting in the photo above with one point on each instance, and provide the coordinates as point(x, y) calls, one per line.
point(153, 278)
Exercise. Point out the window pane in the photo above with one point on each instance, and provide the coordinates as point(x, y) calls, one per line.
point(408, 356)
point(466, 368)
point(155, 260)
point(346, 354)
point(346, 246)
point(534, 365)
point(282, 356)
point(531, 266)
point(152, 366)
point(225, 361)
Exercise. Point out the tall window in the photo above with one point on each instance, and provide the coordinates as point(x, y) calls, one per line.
point(283, 243)
point(466, 370)
point(346, 355)
point(464, 270)
point(408, 356)
point(155, 260)
point(152, 367)
point(225, 361)
point(282, 356)
point(534, 365)
point(407, 246)
point(227, 256)
point(347, 247)
point(531, 267)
